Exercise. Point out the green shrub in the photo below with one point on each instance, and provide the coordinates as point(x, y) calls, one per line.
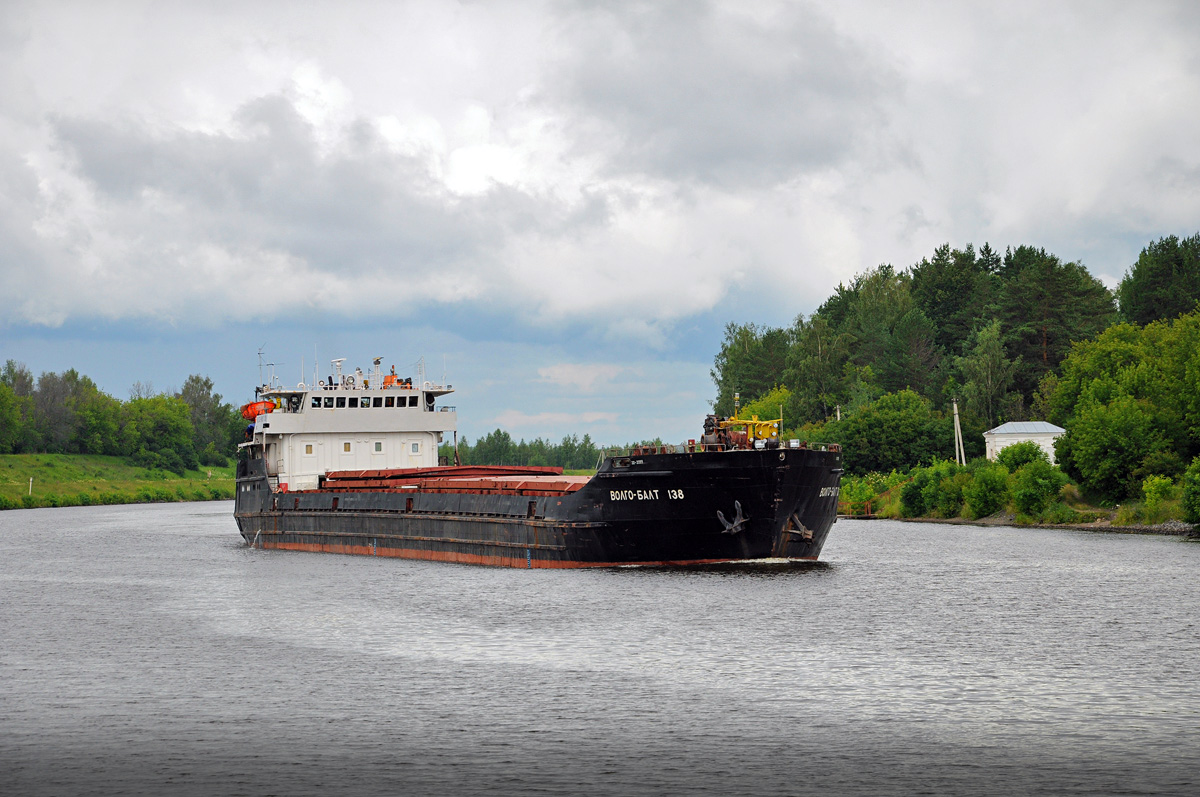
point(1130, 514)
point(1159, 494)
point(937, 496)
point(948, 495)
point(212, 458)
point(934, 491)
point(172, 461)
point(912, 499)
point(1191, 492)
point(144, 458)
point(869, 486)
point(1156, 489)
point(1018, 455)
point(857, 491)
point(987, 493)
point(1035, 485)
point(1059, 512)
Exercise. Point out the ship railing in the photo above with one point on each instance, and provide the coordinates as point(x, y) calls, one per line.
point(690, 447)
point(694, 447)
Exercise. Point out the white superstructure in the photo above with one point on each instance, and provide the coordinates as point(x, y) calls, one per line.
point(362, 421)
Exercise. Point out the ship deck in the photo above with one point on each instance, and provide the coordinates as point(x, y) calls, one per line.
point(474, 479)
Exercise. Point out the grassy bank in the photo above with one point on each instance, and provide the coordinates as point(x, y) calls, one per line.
point(87, 480)
point(1034, 494)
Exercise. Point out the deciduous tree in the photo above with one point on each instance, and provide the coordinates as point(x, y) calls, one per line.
point(987, 374)
point(751, 361)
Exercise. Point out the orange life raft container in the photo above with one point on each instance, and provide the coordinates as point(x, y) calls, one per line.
point(254, 409)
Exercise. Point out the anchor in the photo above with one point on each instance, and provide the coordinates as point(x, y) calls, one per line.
point(805, 532)
point(739, 521)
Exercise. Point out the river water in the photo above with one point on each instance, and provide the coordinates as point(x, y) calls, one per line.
point(147, 650)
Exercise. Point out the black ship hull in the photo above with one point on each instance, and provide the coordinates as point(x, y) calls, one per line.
point(662, 508)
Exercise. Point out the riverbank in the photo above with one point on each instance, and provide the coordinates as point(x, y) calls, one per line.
point(1175, 528)
point(29, 481)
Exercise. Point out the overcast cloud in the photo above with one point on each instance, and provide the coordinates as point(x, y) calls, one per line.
point(571, 197)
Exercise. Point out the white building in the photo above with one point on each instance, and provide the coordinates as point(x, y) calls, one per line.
point(1004, 435)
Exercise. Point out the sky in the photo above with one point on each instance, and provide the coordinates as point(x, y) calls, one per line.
point(558, 206)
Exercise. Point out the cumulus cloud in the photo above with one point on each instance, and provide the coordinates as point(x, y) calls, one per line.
point(616, 169)
point(729, 94)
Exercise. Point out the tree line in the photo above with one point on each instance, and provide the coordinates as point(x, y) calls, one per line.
point(1018, 336)
point(499, 448)
point(67, 414)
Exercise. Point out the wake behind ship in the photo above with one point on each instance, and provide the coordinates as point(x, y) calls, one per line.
point(350, 465)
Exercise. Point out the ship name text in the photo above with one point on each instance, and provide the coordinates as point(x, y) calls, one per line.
point(642, 495)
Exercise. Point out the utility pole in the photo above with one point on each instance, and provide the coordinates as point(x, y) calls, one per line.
point(960, 455)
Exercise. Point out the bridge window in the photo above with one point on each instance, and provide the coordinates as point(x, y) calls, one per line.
point(354, 401)
point(341, 402)
point(412, 401)
point(390, 401)
point(329, 402)
point(316, 402)
point(377, 401)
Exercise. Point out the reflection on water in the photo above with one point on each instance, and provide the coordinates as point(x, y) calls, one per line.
point(753, 567)
point(146, 650)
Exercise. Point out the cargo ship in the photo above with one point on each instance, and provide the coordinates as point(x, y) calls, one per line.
point(350, 465)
